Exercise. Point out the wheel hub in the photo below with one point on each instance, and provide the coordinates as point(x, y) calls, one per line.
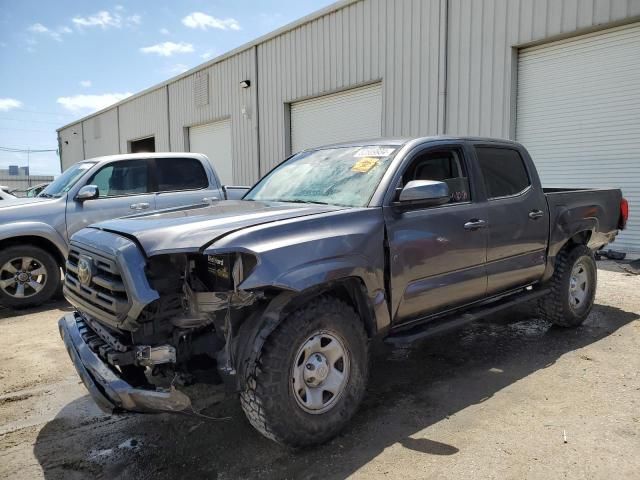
point(578, 286)
point(23, 277)
point(316, 370)
point(320, 372)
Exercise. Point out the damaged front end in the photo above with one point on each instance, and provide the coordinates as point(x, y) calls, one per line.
point(184, 337)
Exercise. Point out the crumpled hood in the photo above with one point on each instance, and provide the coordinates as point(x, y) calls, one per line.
point(193, 228)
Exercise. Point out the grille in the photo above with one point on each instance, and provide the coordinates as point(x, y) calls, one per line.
point(104, 296)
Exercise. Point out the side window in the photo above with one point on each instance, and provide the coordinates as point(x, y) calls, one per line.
point(503, 170)
point(444, 166)
point(180, 174)
point(128, 177)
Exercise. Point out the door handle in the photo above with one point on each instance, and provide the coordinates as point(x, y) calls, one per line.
point(475, 224)
point(210, 199)
point(139, 206)
point(535, 214)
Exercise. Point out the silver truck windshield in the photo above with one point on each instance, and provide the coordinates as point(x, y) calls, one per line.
point(336, 176)
point(64, 182)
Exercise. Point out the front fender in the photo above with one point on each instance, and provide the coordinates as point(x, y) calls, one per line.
point(34, 229)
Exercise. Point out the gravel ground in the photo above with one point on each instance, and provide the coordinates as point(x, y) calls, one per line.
point(493, 400)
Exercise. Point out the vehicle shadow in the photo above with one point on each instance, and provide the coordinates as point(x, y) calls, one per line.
point(410, 390)
point(55, 303)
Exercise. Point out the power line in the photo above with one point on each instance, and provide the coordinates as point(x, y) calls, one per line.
point(28, 120)
point(26, 150)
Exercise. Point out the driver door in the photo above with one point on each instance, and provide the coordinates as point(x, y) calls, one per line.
point(437, 260)
point(124, 188)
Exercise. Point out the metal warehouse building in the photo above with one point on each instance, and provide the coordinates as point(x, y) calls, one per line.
point(560, 76)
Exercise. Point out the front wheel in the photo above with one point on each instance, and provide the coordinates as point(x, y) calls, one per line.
point(29, 276)
point(311, 375)
point(573, 288)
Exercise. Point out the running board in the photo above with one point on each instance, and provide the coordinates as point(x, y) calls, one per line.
point(452, 321)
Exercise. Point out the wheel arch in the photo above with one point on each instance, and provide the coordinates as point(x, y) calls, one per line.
point(36, 241)
point(254, 332)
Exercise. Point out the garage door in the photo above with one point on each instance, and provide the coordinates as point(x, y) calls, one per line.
point(214, 140)
point(578, 112)
point(352, 115)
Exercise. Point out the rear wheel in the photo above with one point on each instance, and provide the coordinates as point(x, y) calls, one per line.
point(311, 375)
point(573, 288)
point(29, 276)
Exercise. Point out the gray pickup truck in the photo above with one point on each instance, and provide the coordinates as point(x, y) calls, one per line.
point(276, 297)
point(34, 232)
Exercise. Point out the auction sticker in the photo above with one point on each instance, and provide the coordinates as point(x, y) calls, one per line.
point(364, 165)
point(374, 152)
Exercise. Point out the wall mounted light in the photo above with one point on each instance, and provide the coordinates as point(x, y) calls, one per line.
point(245, 83)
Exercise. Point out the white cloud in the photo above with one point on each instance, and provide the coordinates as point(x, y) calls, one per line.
point(206, 55)
point(38, 28)
point(7, 104)
point(204, 21)
point(105, 19)
point(85, 83)
point(177, 69)
point(55, 34)
point(167, 49)
point(92, 103)
point(164, 31)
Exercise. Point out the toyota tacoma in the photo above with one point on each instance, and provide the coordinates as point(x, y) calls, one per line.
point(276, 297)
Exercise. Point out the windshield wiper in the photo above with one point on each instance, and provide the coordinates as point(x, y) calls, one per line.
point(304, 201)
point(44, 195)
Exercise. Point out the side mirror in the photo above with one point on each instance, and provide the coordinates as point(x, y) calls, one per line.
point(424, 193)
point(88, 192)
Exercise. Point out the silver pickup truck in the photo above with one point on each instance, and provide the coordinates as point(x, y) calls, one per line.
point(35, 232)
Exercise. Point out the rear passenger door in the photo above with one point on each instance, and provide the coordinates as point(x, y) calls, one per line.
point(518, 218)
point(182, 181)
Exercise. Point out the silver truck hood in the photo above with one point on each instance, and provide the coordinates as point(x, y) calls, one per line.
point(196, 227)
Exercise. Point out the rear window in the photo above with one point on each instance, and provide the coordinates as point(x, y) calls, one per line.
point(180, 174)
point(503, 170)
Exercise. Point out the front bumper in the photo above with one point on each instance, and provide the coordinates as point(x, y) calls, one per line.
point(110, 392)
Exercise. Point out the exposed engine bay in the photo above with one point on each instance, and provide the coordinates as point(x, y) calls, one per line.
point(186, 335)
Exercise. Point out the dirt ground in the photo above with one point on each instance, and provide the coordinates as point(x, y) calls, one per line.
point(493, 400)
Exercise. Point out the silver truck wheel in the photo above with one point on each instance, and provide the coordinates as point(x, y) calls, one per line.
point(29, 276)
point(579, 286)
point(320, 372)
point(310, 376)
point(22, 277)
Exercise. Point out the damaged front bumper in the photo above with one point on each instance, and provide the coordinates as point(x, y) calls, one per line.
point(108, 389)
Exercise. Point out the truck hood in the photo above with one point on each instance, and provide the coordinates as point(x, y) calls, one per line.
point(30, 209)
point(194, 228)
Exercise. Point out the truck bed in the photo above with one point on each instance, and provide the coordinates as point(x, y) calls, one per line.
point(579, 209)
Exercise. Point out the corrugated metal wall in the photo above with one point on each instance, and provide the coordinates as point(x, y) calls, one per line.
point(71, 149)
point(481, 59)
point(396, 42)
point(392, 40)
point(145, 116)
point(226, 99)
point(101, 134)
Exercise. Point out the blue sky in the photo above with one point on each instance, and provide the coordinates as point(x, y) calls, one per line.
point(61, 60)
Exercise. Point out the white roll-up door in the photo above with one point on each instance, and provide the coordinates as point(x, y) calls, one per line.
point(214, 140)
point(355, 114)
point(578, 113)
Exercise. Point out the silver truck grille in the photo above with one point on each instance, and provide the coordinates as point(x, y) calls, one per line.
point(93, 281)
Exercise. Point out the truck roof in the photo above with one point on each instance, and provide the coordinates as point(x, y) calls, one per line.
point(401, 141)
point(133, 156)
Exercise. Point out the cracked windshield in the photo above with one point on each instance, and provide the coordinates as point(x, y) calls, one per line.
point(335, 176)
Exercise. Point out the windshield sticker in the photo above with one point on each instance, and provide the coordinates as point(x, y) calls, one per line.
point(364, 165)
point(374, 152)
